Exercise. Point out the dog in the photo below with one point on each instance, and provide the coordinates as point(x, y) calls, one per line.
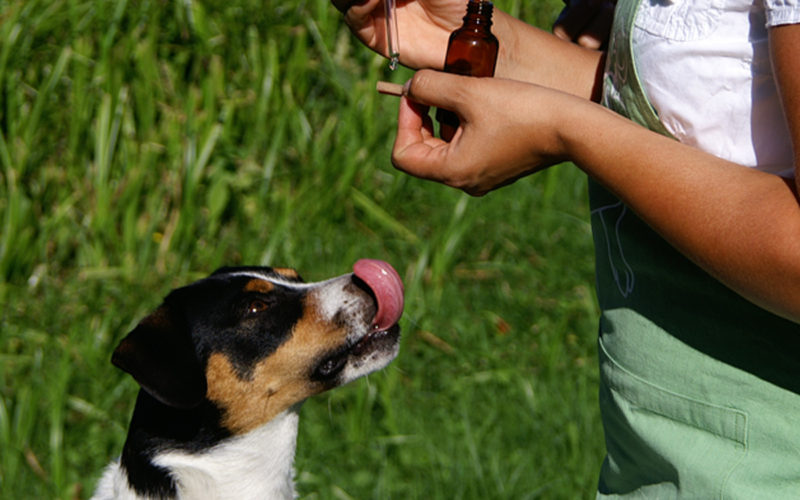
point(223, 366)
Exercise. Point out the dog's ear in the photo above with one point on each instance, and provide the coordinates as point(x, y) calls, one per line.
point(159, 354)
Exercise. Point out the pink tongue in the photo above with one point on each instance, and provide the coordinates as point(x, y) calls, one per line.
point(387, 286)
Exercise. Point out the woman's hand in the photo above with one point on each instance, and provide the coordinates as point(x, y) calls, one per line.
point(508, 129)
point(424, 27)
point(586, 22)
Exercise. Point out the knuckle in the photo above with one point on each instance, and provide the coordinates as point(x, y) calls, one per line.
point(420, 83)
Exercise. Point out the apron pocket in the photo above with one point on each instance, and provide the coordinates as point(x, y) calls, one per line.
point(660, 442)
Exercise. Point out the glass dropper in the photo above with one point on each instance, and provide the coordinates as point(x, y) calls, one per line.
point(392, 38)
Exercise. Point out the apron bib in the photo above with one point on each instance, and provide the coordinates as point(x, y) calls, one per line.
point(699, 389)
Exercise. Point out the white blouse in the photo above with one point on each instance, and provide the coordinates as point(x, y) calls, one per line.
point(705, 67)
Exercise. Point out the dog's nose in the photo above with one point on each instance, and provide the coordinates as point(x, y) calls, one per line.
point(387, 287)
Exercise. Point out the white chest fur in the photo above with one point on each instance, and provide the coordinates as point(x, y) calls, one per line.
point(255, 465)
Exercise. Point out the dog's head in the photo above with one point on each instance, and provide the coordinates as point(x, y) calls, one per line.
point(255, 341)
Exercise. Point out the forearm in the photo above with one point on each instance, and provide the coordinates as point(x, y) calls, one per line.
point(740, 225)
point(533, 55)
point(783, 44)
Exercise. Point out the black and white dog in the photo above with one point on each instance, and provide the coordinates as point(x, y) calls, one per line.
point(224, 365)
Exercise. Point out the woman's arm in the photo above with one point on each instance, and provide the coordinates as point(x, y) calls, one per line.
point(741, 225)
point(784, 41)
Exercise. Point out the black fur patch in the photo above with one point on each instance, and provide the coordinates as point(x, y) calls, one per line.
point(220, 314)
point(156, 426)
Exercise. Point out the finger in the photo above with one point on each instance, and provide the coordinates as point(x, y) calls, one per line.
point(416, 150)
point(414, 118)
point(596, 34)
point(574, 18)
point(436, 88)
point(570, 23)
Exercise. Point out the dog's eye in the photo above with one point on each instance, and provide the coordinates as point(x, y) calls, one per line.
point(256, 306)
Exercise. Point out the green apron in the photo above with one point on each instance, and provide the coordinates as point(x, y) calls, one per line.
point(699, 389)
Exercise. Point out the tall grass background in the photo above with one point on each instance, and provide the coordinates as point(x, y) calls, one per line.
point(145, 143)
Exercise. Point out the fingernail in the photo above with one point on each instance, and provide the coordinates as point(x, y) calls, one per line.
point(407, 87)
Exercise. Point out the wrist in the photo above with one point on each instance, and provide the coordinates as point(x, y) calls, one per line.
point(533, 55)
point(586, 132)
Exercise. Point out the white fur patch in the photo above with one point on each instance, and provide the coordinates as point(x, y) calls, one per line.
point(257, 465)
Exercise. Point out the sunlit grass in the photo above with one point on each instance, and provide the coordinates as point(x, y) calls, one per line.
point(143, 144)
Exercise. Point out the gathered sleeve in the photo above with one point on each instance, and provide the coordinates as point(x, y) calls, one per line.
point(782, 12)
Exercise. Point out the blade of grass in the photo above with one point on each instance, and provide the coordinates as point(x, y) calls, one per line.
point(381, 216)
point(43, 95)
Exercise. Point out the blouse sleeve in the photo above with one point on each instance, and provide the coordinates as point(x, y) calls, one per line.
point(782, 12)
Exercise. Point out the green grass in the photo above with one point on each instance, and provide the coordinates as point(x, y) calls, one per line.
point(145, 143)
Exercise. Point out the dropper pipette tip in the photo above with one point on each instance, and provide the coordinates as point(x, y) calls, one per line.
point(392, 37)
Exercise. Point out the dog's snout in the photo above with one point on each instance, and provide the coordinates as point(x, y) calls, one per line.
point(358, 286)
point(359, 304)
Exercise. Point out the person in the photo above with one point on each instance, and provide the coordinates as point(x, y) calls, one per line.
point(687, 123)
point(587, 22)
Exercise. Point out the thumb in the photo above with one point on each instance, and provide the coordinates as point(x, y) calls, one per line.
point(436, 88)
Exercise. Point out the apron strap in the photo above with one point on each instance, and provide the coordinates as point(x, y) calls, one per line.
point(622, 89)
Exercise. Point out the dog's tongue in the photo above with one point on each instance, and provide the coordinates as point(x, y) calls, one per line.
point(387, 286)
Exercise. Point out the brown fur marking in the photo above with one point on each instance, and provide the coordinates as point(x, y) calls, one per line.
point(287, 272)
point(258, 285)
point(277, 382)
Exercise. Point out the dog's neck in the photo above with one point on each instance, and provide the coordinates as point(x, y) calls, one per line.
point(159, 461)
point(258, 464)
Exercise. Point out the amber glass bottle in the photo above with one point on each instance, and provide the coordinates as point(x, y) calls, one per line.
point(472, 51)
